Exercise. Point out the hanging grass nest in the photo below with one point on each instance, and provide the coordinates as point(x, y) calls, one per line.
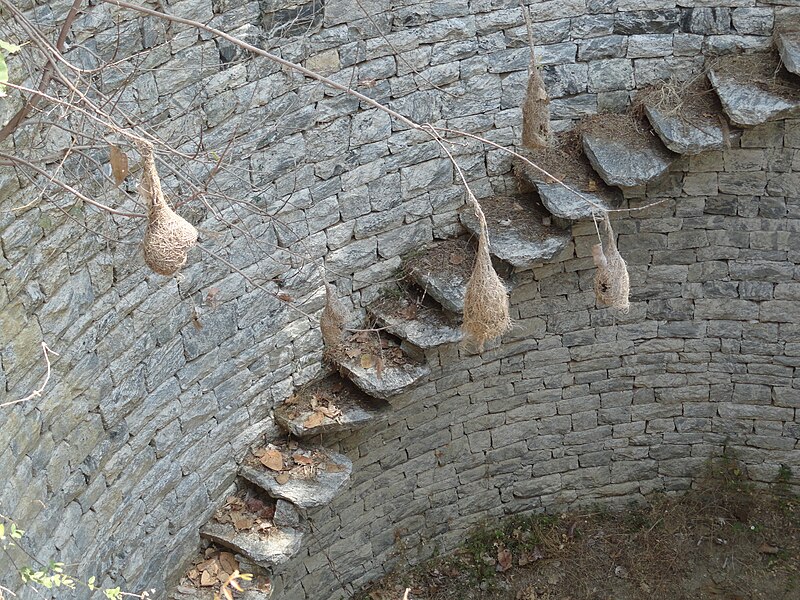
point(333, 319)
point(486, 311)
point(611, 282)
point(168, 237)
point(536, 107)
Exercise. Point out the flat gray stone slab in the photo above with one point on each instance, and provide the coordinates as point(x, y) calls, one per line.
point(624, 164)
point(517, 233)
point(269, 550)
point(393, 379)
point(308, 487)
point(788, 43)
point(748, 104)
point(328, 406)
point(686, 135)
point(565, 204)
point(436, 274)
point(421, 325)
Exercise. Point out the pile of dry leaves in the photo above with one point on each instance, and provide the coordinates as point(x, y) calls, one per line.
point(290, 461)
point(317, 406)
point(372, 351)
point(247, 512)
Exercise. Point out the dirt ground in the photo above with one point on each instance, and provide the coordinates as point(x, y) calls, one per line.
point(724, 540)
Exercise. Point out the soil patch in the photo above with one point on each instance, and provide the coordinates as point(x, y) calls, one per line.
point(631, 129)
point(763, 69)
point(564, 160)
point(723, 540)
point(450, 259)
point(520, 214)
point(693, 101)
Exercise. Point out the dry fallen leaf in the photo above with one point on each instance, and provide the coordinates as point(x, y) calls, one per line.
point(332, 467)
point(243, 522)
point(207, 579)
point(766, 548)
point(352, 352)
point(282, 479)
point(504, 560)
point(315, 419)
point(228, 562)
point(119, 164)
point(301, 459)
point(211, 566)
point(592, 186)
point(367, 361)
point(272, 459)
point(456, 258)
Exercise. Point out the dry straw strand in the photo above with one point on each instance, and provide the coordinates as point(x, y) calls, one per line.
point(168, 237)
point(536, 107)
point(486, 310)
point(611, 281)
point(333, 319)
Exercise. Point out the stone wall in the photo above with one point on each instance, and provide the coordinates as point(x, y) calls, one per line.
point(161, 384)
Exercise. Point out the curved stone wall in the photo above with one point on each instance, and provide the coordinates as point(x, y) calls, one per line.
point(161, 384)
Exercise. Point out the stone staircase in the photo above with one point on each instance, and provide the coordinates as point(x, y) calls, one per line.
point(426, 313)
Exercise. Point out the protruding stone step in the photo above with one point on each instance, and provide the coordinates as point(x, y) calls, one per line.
point(442, 272)
point(411, 319)
point(377, 365)
point(753, 91)
point(306, 477)
point(245, 525)
point(689, 121)
point(624, 152)
point(570, 166)
point(330, 405)
point(788, 43)
point(517, 231)
point(270, 549)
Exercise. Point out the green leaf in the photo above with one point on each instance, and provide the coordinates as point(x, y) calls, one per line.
point(2, 531)
point(90, 583)
point(9, 47)
point(3, 75)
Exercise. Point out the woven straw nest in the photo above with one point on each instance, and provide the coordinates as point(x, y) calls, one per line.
point(333, 319)
point(611, 281)
point(168, 237)
point(486, 310)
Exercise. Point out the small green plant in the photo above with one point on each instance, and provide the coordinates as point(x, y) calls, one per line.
point(52, 576)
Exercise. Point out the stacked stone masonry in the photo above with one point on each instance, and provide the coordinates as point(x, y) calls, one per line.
point(162, 384)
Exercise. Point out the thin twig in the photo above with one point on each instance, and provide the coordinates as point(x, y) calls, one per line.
point(9, 159)
point(38, 392)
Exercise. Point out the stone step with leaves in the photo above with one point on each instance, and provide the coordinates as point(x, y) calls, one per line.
point(377, 365)
point(688, 119)
point(624, 152)
point(442, 271)
point(211, 570)
point(246, 524)
point(566, 162)
point(519, 232)
point(411, 317)
point(788, 44)
point(330, 405)
point(754, 89)
point(307, 477)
